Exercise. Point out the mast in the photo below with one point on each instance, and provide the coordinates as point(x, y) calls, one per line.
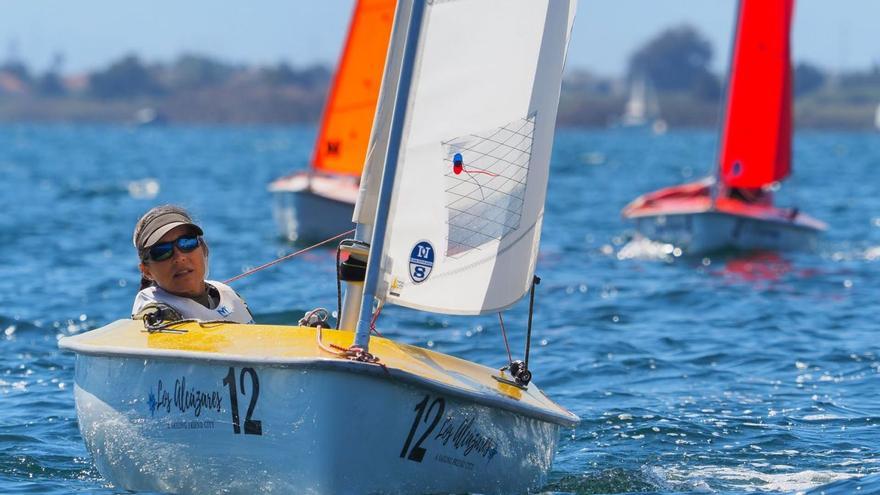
point(716, 170)
point(362, 332)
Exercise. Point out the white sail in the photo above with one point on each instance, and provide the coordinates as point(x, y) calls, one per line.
point(468, 198)
point(636, 112)
point(877, 117)
point(643, 106)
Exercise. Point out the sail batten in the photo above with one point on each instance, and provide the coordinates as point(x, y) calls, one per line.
point(756, 140)
point(468, 193)
point(351, 102)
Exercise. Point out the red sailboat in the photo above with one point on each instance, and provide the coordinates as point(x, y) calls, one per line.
point(318, 203)
point(734, 209)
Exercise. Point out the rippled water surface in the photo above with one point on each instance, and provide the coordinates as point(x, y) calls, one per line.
point(733, 373)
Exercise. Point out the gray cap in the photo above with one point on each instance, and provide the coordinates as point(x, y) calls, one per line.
point(158, 222)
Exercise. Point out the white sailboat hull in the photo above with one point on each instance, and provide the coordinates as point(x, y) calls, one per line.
point(163, 418)
point(313, 207)
point(708, 231)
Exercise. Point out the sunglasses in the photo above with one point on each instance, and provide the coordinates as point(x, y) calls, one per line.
point(165, 250)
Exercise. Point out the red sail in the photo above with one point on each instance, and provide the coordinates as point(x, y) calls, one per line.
point(756, 142)
point(351, 104)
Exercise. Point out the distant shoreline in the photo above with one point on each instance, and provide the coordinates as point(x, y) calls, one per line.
point(279, 107)
point(199, 90)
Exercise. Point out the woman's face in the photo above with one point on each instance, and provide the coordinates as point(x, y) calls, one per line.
point(184, 273)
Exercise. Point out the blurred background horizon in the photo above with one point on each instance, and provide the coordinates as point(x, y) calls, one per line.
point(90, 34)
point(100, 61)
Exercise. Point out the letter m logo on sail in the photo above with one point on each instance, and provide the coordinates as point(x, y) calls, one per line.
point(421, 261)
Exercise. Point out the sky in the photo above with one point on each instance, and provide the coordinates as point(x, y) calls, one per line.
point(835, 34)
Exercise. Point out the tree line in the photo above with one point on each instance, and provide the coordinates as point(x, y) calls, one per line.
point(677, 64)
point(130, 77)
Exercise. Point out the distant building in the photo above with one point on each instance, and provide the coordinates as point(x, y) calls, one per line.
point(12, 84)
point(75, 84)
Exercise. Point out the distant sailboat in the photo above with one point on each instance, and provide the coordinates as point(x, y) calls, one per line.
point(449, 220)
point(642, 108)
point(735, 208)
point(877, 118)
point(318, 203)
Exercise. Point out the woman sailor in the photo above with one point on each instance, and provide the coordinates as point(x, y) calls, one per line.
point(173, 263)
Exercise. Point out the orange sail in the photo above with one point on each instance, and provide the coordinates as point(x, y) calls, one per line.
point(756, 141)
point(351, 103)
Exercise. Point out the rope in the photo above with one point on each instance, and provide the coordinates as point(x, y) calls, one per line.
point(318, 338)
point(504, 334)
point(287, 257)
point(354, 353)
point(535, 281)
point(373, 320)
point(167, 326)
point(338, 285)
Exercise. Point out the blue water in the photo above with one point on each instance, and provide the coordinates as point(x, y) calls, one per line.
point(732, 373)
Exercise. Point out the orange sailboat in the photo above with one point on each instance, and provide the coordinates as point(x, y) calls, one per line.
point(317, 203)
point(734, 209)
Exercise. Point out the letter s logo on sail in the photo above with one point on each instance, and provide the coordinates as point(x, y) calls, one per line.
point(421, 261)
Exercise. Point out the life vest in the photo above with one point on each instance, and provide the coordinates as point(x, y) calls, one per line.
point(230, 308)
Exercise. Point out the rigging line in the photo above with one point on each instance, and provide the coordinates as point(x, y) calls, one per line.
point(512, 147)
point(375, 317)
point(504, 334)
point(505, 128)
point(501, 143)
point(471, 219)
point(486, 218)
point(471, 170)
point(535, 281)
point(286, 257)
point(514, 162)
point(488, 153)
point(455, 143)
point(478, 171)
point(525, 123)
point(477, 183)
point(485, 208)
point(338, 285)
point(495, 159)
point(506, 194)
point(521, 170)
point(474, 233)
point(472, 239)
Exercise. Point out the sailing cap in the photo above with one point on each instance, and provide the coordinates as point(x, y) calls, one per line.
point(159, 221)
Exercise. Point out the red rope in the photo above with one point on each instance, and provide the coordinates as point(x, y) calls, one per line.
point(287, 257)
point(354, 353)
point(373, 321)
point(478, 171)
point(504, 334)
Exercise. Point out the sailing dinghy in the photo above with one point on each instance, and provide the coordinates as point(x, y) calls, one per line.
point(734, 209)
point(449, 218)
point(318, 203)
point(642, 110)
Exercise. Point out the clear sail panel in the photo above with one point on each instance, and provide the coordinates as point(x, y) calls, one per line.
point(486, 184)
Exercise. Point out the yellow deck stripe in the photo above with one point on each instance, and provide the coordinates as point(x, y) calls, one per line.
point(293, 343)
